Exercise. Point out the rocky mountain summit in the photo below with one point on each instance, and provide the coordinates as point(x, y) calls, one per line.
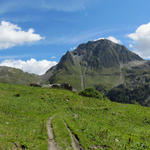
point(93, 64)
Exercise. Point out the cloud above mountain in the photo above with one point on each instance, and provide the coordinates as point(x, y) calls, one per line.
point(30, 66)
point(111, 38)
point(141, 40)
point(12, 35)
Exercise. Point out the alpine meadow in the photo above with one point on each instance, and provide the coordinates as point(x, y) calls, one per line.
point(74, 75)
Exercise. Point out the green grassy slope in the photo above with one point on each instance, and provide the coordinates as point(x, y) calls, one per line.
point(97, 123)
point(17, 76)
point(72, 76)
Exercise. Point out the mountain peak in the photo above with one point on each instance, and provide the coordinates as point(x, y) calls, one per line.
point(91, 64)
point(97, 42)
point(106, 53)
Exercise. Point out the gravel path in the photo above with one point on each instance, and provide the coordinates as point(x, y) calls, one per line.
point(51, 141)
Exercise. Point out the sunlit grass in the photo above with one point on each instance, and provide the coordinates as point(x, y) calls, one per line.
point(97, 123)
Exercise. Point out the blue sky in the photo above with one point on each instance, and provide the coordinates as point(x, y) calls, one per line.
point(61, 25)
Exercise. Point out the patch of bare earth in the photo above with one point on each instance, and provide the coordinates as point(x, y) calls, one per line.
point(51, 141)
point(74, 140)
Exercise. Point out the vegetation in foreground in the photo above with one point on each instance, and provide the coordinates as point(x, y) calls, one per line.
point(96, 123)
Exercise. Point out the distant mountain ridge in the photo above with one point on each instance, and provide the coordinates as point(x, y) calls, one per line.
point(93, 64)
point(17, 76)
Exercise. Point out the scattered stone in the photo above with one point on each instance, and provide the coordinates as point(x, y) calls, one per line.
point(75, 115)
point(66, 86)
point(74, 90)
point(67, 99)
point(47, 86)
point(113, 113)
point(35, 85)
point(96, 147)
point(60, 86)
point(117, 140)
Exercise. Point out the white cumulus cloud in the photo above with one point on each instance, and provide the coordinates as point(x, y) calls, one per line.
point(30, 66)
point(111, 38)
point(12, 35)
point(141, 40)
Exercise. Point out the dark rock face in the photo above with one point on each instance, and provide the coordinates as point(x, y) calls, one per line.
point(99, 54)
point(104, 53)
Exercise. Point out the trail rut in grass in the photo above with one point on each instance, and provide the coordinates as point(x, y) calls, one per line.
point(74, 140)
point(51, 141)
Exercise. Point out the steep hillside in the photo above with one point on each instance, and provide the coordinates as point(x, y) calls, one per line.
point(16, 76)
point(94, 123)
point(136, 86)
point(93, 64)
